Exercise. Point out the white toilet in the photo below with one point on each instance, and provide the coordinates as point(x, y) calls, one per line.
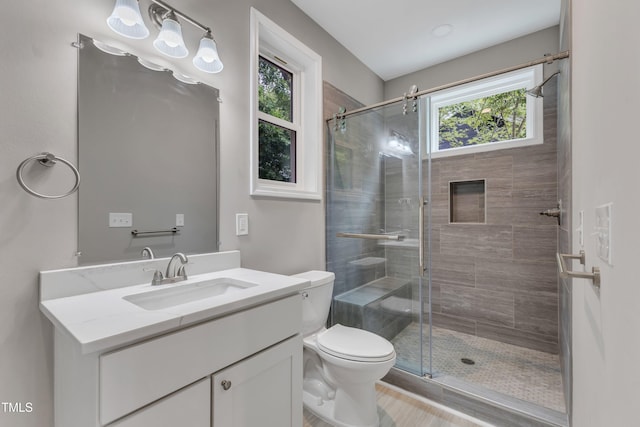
point(341, 364)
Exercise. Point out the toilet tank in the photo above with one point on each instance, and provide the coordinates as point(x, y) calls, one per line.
point(316, 300)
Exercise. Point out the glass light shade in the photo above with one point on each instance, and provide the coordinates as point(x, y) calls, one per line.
point(170, 42)
point(126, 20)
point(207, 58)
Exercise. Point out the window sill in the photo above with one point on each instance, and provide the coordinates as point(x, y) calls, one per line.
point(271, 189)
point(461, 151)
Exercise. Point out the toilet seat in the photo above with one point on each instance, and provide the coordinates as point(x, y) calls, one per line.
point(355, 344)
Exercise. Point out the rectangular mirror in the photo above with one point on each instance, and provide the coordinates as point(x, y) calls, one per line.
point(148, 157)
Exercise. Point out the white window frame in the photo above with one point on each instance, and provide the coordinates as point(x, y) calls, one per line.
point(526, 78)
point(270, 40)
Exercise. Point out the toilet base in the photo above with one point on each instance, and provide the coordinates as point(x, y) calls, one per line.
point(325, 410)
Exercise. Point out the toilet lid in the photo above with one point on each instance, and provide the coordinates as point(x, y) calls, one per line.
point(355, 344)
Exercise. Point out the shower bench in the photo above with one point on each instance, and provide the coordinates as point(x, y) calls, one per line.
point(383, 306)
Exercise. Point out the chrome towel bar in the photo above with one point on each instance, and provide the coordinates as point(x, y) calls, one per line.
point(371, 236)
point(564, 273)
point(137, 233)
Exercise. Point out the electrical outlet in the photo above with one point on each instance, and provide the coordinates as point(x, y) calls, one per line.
point(242, 224)
point(120, 219)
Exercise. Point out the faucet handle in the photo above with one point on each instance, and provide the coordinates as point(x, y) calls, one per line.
point(157, 278)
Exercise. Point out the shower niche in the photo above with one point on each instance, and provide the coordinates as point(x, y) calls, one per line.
point(467, 202)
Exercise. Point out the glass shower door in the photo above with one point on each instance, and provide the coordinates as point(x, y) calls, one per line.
point(375, 213)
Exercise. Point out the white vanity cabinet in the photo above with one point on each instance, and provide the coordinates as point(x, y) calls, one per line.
point(177, 378)
point(188, 407)
point(262, 390)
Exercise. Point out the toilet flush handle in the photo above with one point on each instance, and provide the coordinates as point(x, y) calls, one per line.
point(305, 295)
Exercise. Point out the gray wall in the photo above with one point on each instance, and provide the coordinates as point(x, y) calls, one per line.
point(514, 52)
point(605, 322)
point(38, 110)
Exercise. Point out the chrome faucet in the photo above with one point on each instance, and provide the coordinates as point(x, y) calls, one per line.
point(180, 273)
point(172, 274)
point(147, 253)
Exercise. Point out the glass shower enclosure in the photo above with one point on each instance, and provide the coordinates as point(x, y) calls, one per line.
point(447, 257)
point(376, 221)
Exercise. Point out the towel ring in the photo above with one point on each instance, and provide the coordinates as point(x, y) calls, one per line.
point(48, 160)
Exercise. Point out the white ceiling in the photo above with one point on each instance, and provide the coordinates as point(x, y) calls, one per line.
point(396, 37)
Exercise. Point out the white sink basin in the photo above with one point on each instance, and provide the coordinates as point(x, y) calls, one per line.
point(177, 294)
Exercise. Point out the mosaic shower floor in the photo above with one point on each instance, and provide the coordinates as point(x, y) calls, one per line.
point(529, 375)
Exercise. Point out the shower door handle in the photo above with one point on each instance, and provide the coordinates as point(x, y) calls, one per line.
point(421, 263)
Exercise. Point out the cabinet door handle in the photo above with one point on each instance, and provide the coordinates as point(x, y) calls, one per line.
point(226, 385)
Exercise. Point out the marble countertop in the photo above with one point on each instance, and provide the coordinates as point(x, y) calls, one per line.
point(102, 319)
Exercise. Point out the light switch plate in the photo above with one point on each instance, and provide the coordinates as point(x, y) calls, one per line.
point(242, 224)
point(580, 229)
point(120, 219)
point(603, 232)
point(179, 220)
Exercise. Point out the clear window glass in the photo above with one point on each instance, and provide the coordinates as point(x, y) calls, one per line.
point(499, 117)
point(277, 154)
point(489, 114)
point(276, 132)
point(275, 90)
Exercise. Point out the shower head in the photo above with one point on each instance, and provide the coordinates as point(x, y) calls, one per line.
point(536, 92)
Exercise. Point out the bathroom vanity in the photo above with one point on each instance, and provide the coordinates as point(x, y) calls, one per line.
point(222, 348)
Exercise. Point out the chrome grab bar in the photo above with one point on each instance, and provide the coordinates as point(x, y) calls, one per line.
point(421, 262)
point(398, 237)
point(564, 273)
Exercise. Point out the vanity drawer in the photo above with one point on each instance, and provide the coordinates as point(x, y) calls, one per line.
point(143, 373)
point(187, 407)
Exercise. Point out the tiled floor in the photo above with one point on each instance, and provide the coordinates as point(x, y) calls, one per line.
point(399, 409)
point(525, 374)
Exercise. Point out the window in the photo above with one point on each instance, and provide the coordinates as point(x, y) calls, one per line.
point(286, 100)
point(276, 126)
point(489, 114)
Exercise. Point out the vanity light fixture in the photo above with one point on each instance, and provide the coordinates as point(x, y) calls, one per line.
point(127, 21)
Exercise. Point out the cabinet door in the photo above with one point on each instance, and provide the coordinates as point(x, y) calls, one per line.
point(189, 407)
point(263, 390)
